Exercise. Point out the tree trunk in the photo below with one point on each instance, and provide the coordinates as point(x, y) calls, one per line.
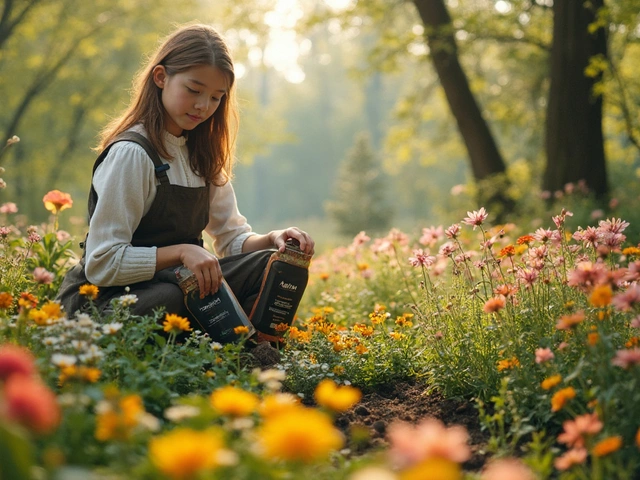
point(481, 147)
point(574, 139)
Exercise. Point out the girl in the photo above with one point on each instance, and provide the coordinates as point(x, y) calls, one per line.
point(147, 214)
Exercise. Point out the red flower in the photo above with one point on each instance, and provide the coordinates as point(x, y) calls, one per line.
point(31, 403)
point(15, 360)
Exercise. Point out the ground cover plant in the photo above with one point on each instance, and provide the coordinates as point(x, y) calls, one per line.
point(530, 336)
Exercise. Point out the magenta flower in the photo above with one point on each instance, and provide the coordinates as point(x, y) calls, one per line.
point(476, 218)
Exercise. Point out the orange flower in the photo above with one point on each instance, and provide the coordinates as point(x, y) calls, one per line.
point(55, 201)
point(31, 403)
point(569, 321)
point(607, 446)
point(507, 469)
point(6, 300)
point(561, 397)
point(494, 304)
point(16, 360)
point(337, 398)
point(89, 291)
point(525, 240)
point(572, 457)
point(638, 438)
point(552, 381)
point(574, 430)
point(508, 251)
point(27, 300)
point(601, 296)
point(241, 330)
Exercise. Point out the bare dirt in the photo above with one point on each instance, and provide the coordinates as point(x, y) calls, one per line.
point(411, 402)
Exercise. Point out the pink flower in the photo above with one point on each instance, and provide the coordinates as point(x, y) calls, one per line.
point(507, 469)
point(43, 276)
point(31, 403)
point(476, 218)
point(544, 236)
point(421, 258)
point(429, 439)
point(527, 275)
point(625, 301)
point(635, 323)
point(613, 225)
point(544, 355)
point(626, 358)
point(447, 249)
point(360, 239)
point(494, 304)
point(8, 208)
point(574, 430)
point(575, 456)
point(587, 275)
point(430, 236)
point(453, 231)
point(587, 237)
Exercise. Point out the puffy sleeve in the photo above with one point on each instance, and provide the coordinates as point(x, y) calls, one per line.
point(126, 186)
point(227, 226)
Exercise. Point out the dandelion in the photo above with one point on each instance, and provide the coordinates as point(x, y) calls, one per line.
point(56, 201)
point(607, 446)
point(576, 429)
point(476, 218)
point(184, 453)
point(233, 401)
point(89, 291)
point(561, 397)
point(337, 398)
point(626, 358)
point(575, 456)
point(299, 434)
point(175, 324)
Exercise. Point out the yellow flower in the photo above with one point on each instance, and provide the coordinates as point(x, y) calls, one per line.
point(299, 434)
point(241, 330)
point(397, 336)
point(631, 251)
point(336, 398)
point(561, 397)
point(89, 291)
point(299, 335)
point(117, 419)
point(52, 309)
point(361, 349)
point(175, 323)
point(339, 369)
point(39, 317)
point(508, 363)
point(278, 403)
point(607, 446)
point(434, 468)
point(362, 329)
point(184, 453)
point(601, 296)
point(404, 322)
point(234, 401)
point(83, 373)
point(55, 201)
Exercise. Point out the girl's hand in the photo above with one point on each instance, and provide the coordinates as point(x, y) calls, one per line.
point(204, 265)
point(280, 237)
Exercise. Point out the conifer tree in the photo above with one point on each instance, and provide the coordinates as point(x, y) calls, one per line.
point(359, 197)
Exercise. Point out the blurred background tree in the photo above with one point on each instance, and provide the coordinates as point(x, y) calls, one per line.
point(359, 202)
point(311, 75)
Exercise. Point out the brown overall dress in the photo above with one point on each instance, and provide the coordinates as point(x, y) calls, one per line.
point(177, 215)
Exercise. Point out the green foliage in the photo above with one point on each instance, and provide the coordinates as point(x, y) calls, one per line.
point(360, 191)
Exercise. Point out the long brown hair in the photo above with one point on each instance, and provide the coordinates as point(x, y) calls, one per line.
point(212, 142)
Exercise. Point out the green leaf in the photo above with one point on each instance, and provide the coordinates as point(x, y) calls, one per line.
point(16, 455)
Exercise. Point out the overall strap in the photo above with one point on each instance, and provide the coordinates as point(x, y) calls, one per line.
point(128, 136)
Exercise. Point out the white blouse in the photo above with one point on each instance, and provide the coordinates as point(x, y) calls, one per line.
point(126, 185)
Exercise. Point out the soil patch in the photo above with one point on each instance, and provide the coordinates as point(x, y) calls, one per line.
point(410, 402)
